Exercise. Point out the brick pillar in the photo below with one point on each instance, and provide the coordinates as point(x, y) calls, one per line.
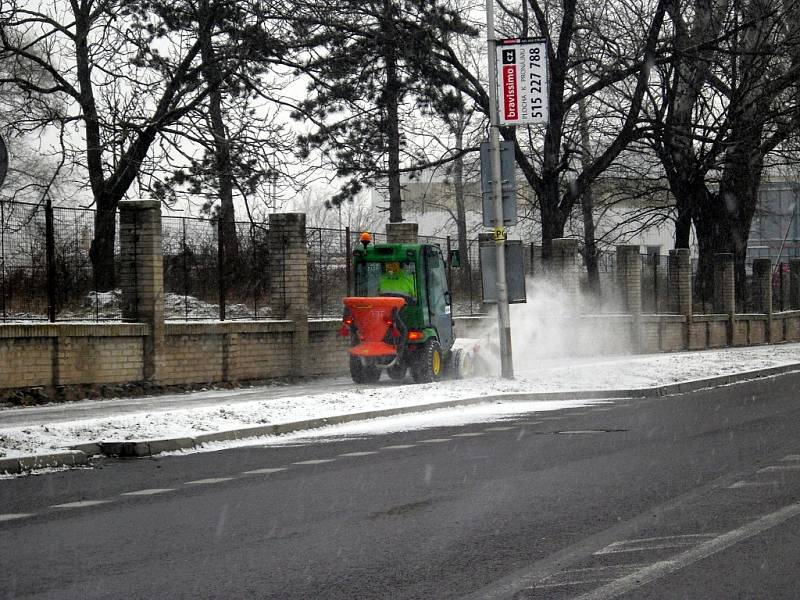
point(724, 284)
point(141, 276)
point(794, 284)
point(629, 277)
point(289, 279)
point(402, 233)
point(725, 292)
point(679, 265)
point(565, 268)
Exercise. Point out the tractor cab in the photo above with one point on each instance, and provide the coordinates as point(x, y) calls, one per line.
point(400, 317)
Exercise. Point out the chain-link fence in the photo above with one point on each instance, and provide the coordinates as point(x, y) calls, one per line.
point(45, 270)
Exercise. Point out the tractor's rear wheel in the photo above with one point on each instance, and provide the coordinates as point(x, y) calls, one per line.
point(397, 371)
point(428, 363)
point(362, 372)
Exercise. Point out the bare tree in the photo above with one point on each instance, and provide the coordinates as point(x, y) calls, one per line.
point(623, 43)
point(728, 100)
point(111, 64)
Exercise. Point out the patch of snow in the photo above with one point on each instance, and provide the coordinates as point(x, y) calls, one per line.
point(261, 407)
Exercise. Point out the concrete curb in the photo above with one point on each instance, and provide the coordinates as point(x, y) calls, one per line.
point(64, 458)
point(79, 454)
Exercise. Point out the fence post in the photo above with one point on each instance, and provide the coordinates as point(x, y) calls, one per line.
point(142, 276)
point(289, 271)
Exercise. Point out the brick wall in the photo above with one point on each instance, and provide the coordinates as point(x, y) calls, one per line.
point(68, 354)
point(328, 348)
point(226, 351)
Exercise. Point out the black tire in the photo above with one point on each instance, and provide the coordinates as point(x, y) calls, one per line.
point(428, 363)
point(397, 372)
point(363, 373)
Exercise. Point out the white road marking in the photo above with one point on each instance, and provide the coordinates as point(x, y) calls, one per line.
point(570, 583)
point(603, 409)
point(551, 418)
point(471, 434)
point(499, 428)
point(773, 468)
point(208, 481)
point(791, 457)
point(318, 461)
point(398, 447)
point(530, 423)
point(743, 484)
point(573, 577)
point(359, 453)
point(264, 471)
point(149, 492)
point(655, 543)
point(13, 516)
point(434, 441)
point(663, 568)
point(80, 504)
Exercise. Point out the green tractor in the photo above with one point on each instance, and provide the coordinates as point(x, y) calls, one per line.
point(400, 318)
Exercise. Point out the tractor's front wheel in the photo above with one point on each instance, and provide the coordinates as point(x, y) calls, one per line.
point(428, 364)
point(363, 372)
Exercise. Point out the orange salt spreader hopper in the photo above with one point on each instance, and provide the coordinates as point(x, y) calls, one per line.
point(373, 318)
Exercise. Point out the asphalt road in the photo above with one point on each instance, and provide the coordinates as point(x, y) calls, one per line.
point(694, 496)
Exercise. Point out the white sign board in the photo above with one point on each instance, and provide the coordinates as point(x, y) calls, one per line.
point(522, 81)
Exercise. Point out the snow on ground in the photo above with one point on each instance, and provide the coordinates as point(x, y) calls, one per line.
point(569, 374)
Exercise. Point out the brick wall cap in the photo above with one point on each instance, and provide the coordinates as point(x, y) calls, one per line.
point(139, 204)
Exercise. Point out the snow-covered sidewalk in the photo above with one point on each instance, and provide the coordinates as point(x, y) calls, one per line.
point(56, 428)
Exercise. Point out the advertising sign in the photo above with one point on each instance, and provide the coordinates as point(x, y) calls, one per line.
point(522, 81)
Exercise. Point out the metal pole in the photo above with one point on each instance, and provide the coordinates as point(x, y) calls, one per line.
point(503, 316)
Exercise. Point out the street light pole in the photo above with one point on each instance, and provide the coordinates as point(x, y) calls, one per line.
point(503, 316)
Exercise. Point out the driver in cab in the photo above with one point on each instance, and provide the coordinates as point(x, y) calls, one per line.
point(396, 281)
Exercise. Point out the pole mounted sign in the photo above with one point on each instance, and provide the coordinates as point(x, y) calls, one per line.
point(522, 81)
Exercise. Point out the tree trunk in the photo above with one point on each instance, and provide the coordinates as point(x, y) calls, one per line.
point(222, 151)
point(391, 105)
point(101, 252)
point(712, 224)
point(587, 199)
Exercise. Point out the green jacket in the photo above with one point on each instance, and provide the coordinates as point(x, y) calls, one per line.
point(398, 283)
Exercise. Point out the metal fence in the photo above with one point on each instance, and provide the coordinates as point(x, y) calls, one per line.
point(45, 271)
point(206, 279)
point(655, 283)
